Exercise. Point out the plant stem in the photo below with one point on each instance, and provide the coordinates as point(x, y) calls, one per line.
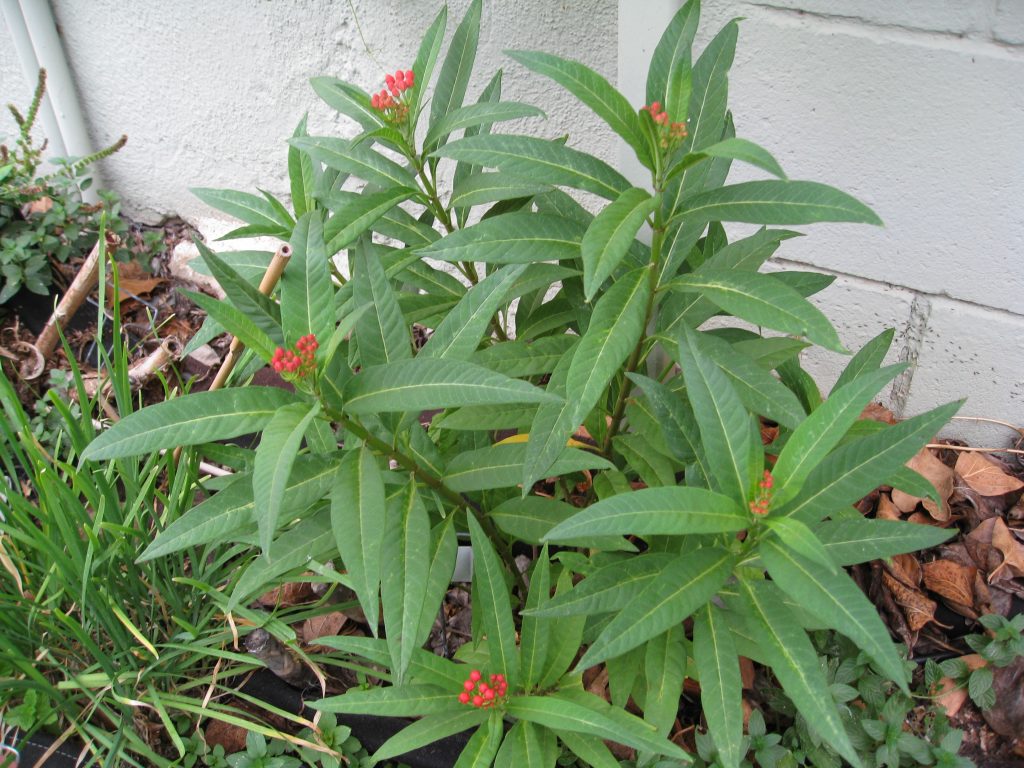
point(459, 500)
point(634, 357)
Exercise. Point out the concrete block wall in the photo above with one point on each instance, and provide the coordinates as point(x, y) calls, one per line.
point(916, 107)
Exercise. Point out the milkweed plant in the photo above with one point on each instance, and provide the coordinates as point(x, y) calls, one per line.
point(636, 467)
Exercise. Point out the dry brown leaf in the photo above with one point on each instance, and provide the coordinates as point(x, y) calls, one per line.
point(886, 509)
point(287, 595)
point(906, 568)
point(227, 735)
point(1012, 550)
point(917, 608)
point(325, 625)
point(954, 582)
point(984, 475)
point(996, 551)
point(878, 412)
point(938, 474)
point(747, 673)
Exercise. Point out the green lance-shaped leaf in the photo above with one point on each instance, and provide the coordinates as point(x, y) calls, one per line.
point(348, 100)
point(358, 213)
point(594, 91)
point(429, 729)
point(492, 600)
point(820, 432)
point(398, 700)
point(301, 175)
point(307, 293)
point(610, 588)
point(479, 188)
point(561, 712)
point(747, 255)
point(474, 115)
point(733, 149)
point(381, 333)
point(675, 417)
point(667, 511)
point(721, 687)
point(501, 466)
point(664, 671)
point(730, 440)
point(868, 358)
point(359, 160)
point(223, 515)
point(426, 57)
point(426, 667)
point(855, 469)
point(483, 745)
point(684, 585)
point(512, 238)
point(190, 420)
point(528, 519)
point(615, 328)
point(761, 392)
point(459, 334)
point(707, 114)
point(610, 235)
point(456, 71)
point(534, 632)
point(859, 540)
point(762, 300)
point(261, 310)
point(252, 209)
point(275, 456)
point(423, 383)
point(589, 748)
point(405, 548)
point(358, 513)
point(310, 539)
point(440, 567)
point(527, 745)
point(777, 202)
point(787, 649)
point(234, 322)
point(544, 161)
point(833, 598)
point(669, 72)
point(564, 644)
point(801, 539)
point(525, 358)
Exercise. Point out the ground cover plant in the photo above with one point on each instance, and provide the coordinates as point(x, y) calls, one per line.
point(43, 218)
point(563, 395)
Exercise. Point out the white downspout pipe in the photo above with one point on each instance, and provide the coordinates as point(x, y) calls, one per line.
point(38, 45)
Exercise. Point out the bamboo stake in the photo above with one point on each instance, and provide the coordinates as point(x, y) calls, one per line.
point(270, 278)
point(142, 371)
point(81, 286)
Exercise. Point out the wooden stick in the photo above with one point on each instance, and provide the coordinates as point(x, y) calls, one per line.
point(81, 286)
point(270, 278)
point(142, 371)
point(971, 449)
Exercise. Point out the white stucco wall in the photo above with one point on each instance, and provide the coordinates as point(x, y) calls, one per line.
point(916, 107)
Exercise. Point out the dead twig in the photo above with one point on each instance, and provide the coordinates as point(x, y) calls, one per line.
point(80, 288)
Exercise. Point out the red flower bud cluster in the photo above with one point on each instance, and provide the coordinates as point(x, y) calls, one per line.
point(301, 361)
point(481, 694)
point(388, 100)
point(671, 133)
point(759, 506)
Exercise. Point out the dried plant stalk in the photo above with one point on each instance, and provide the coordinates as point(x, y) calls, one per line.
point(81, 286)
